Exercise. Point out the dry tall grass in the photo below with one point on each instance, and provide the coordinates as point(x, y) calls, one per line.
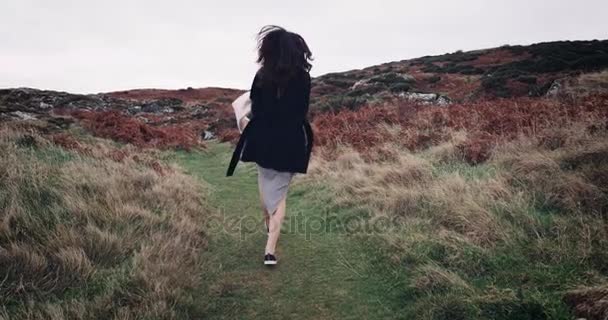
point(584, 85)
point(505, 239)
point(89, 237)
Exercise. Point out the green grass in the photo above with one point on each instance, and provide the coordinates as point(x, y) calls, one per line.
point(331, 268)
point(324, 272)
point(524, 279)
point(472, 241)
point(91, 238)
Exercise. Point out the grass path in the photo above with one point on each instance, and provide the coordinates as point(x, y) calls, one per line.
point(323, 273)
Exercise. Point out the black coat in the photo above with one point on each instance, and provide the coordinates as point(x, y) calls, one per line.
point(278, 136)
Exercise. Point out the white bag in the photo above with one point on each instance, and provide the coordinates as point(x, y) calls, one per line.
point(242, 106)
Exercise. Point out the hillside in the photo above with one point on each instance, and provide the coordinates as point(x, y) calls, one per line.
point(149, 117)
point(471, 185)
point(189, 96)
point(505, 72)
point(545, 69)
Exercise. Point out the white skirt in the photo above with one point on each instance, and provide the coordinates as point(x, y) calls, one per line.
point(274, 185)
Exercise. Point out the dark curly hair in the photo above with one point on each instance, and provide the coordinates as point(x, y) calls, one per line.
point(282, 55)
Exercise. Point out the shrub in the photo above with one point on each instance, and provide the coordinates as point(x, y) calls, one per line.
point(455, 57)
point(390, 78)
point(589, 302)
point(340, 83)
point(434, 79)
point(462, 69)
point(430, 67)
point(400, 87)
point(591, 62)
point(527, 79)
point(369, 89)
point(116, 126)
point(336, 103)
point(486, 121)
point(477, 149)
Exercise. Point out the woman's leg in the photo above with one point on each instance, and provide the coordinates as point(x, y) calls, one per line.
point(275, 223)
point(265, 212)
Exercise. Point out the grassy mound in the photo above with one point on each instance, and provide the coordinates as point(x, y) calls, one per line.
point(95, 232)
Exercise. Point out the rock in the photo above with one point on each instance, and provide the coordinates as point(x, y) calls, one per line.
point(407, 77)
point(443, 101)
point(45, 106)
point(360, 84)
point(23, 115)
point(199, 112)
point(151, 107)
point(555, 88)
point(423, 97)
point(166, 105)
point(208, 135)
point(386, 80)
point(426, 98)
point(134, 110)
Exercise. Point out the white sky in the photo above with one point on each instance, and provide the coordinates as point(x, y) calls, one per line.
point(91, 46)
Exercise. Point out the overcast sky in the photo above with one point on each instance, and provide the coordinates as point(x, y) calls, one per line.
point(104, 45)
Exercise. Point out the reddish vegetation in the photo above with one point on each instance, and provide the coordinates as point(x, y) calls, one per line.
point(356, 128)
point(201, 95)
point(477, 148)
point(67, 141)
point(117, 126)
point(485, 122)
point(456, 86)
point(498, 57)
point(120, 154)
point(227, 135)
point(209, 110)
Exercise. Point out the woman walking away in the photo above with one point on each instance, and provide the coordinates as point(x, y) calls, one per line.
point(278, 138)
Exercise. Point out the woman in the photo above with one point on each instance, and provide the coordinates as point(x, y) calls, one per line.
point(278, 138)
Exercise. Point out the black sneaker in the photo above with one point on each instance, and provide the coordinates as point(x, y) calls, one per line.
point(270, 260)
